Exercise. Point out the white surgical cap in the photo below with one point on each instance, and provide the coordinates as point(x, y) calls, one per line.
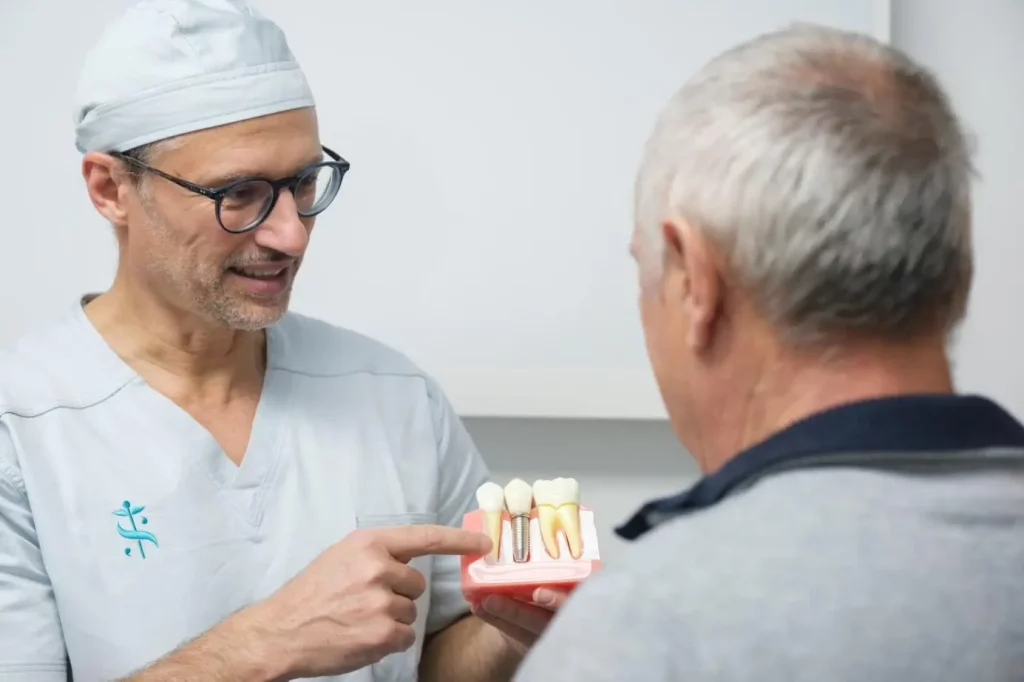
point(169, 67)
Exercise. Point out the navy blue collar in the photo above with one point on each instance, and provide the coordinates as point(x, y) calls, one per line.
point(913, 423)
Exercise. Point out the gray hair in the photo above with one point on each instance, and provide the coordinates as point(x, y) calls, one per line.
point(834, 176)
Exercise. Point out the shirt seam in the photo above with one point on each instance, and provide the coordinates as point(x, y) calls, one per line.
point(22, 413)
point(343, 373)
point(30, 667)
point(9, 411)
point(7, 469)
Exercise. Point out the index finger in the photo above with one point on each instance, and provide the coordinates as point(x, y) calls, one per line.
point(405, 543)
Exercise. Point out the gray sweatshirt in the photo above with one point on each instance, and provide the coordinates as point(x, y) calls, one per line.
point(835, 574)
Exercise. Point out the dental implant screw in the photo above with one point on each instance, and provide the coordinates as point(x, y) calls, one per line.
point(520, 539)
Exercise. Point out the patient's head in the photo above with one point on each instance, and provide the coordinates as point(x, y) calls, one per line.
point(802, 212)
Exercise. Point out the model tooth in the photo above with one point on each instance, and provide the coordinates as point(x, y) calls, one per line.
point(558, 508)
point(519, 500)
point(568, 489)
point(518, 497)
point(491, 499)
point(547, 516)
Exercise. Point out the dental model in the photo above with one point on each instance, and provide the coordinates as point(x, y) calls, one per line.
point(558, 508)
point(491, 499)
point(513, 568)
point(519, 500)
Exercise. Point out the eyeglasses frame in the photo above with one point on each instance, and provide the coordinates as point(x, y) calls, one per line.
point(217, 194)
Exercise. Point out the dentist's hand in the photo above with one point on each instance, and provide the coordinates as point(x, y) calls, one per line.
point(353, 605)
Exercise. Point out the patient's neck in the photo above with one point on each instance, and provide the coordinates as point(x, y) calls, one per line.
point(790, 386)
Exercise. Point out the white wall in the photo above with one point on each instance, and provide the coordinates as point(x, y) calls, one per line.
point(977, 50)
point(484, 226)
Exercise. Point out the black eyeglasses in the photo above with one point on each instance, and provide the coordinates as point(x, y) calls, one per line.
point(242, 205)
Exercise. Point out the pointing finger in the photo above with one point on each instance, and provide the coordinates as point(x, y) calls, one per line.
point(408, 542)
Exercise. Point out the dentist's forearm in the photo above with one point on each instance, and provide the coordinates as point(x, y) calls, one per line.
point(469, 650)
point(236, 650)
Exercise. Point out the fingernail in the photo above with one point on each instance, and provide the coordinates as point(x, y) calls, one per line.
point(543, 597)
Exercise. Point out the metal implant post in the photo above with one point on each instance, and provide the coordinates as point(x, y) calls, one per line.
point(520, 538)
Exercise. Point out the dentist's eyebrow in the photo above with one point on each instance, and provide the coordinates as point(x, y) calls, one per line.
point(247, 174)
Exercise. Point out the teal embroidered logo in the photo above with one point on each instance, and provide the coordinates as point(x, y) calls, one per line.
point(133, 533)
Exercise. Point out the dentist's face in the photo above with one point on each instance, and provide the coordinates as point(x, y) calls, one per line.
point(176, 247)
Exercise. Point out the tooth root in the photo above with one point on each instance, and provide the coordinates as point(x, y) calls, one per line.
point(492, 526)
point(569, 520)
point(548, 518)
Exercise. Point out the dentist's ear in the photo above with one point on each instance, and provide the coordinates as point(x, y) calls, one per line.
point(692, 274)
point(105, 180)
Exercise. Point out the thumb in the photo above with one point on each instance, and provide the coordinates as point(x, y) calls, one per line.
point(548, 598)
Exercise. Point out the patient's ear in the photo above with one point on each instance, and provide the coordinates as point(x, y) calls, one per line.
point(693, 268)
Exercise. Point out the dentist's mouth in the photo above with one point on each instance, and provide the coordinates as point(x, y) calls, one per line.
point(260, 273)
point(264, 280)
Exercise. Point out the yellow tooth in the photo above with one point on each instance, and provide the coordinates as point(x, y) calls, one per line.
point(558, 508)
point(569, 520)
point(491, 499)
point(547, 516)
point(492, 522)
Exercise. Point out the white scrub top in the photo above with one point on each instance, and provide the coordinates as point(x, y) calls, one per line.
point(125, 530)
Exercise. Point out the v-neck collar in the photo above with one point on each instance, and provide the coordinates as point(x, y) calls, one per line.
point(244, 484)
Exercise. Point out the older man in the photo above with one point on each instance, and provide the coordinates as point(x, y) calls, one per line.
point(195, 483)
point(803, 234)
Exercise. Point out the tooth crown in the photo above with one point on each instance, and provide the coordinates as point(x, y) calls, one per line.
point(518, 497)
point(490, 497)
point(557, 492)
